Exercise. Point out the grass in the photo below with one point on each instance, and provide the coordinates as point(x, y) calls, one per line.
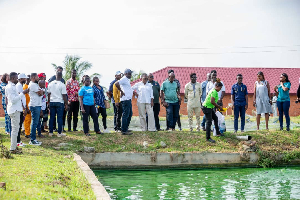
point(42, 173)
point(46, 172)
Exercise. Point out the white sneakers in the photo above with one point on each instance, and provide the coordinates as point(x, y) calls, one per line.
point(58, 135)
point(61, 135)
point(21, 144)
point(35, 142)
point(106, 131)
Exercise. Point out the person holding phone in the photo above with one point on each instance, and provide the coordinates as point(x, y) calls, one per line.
point(283, 100)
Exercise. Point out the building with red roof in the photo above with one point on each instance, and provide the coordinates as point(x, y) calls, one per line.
point(228, 76)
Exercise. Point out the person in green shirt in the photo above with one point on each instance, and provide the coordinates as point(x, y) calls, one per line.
point(208, 109)
point(170, 98)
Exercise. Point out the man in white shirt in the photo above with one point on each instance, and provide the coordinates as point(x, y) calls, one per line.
point(35, 104)
point(57, 96)
point(126, 96)
point(14, 108)
point(211, 84)
point(145, 103)
point(22, 80)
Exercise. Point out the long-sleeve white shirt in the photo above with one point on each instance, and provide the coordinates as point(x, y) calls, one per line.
point(144, 91)
point(19, 87)
point(13, 98)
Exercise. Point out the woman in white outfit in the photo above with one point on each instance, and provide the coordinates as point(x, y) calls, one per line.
point(262, 100)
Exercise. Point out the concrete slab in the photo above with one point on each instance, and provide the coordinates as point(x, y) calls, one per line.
point(97, 187)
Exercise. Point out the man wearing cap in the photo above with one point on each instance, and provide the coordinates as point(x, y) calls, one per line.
point(72, 88)
point(112, 93)
point(126, 96)
point(19, 87)
point(178, 89)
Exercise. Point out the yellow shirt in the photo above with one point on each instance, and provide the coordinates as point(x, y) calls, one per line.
point(26, 95)
point(116, 94)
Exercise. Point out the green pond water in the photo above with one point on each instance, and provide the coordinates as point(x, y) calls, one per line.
point(238, 183)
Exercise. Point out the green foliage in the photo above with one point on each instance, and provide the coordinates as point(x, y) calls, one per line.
point(73, 62)
point(136, 75)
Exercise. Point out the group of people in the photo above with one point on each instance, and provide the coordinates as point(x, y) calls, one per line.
point(30, 99)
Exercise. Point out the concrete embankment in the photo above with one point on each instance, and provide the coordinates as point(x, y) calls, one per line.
point(125, 160)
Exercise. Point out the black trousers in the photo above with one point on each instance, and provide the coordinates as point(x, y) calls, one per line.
point(90, 111)
point(20, 127)
point(102, 111)
point(117, 116)
point(210, 115)
point(73, 111)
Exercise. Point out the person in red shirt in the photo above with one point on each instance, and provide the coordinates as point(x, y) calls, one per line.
point(72, 87)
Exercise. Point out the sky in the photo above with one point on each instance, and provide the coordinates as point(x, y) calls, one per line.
point(148, 35)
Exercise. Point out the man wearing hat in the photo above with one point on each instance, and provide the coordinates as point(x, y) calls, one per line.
point(117, 106)
point(126, 96)
point(19, 87)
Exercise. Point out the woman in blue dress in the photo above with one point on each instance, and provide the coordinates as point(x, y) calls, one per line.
point(4, 82)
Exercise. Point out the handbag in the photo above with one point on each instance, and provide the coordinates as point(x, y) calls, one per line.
point(107, 104)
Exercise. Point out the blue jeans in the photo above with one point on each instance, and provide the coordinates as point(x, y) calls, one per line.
point(56, 108)
point(203, 121)
point(35, 118)
point(239, 111)
point(283, 108)
point(127, 114)
point(172, 114)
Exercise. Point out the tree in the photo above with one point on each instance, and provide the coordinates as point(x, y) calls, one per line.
point(73, 62)
point(136, 76)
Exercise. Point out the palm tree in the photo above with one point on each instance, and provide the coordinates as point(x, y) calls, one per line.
point(73, 62)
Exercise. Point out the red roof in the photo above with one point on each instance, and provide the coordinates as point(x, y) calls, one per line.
point(228, 76)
